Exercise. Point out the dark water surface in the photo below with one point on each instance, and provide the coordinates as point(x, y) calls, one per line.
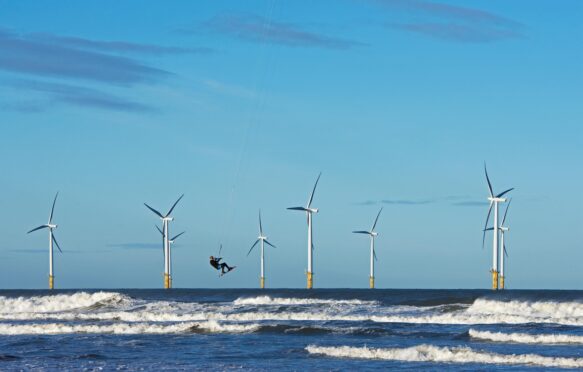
point(283, 329)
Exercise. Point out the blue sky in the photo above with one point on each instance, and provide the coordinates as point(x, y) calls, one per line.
point(239, 105)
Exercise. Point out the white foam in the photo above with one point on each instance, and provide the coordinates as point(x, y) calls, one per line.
point(534, 309)
point(80, 307)
point(429, 353)
point(123, 328)
point(266, 300)
point(464, 318)
point(325, 315)
point(525, 338)
point(55, 303)
point(214, 326)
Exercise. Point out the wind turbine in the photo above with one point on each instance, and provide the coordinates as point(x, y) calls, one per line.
point(309, 211)
point(503, 230)
point(165, 219)
point(170, 242)
point(52, 239)
point(373, 256)
point(494, 201)
point(261, 239)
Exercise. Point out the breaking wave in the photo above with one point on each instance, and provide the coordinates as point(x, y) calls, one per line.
point(61, 302)
point(266, 300)
point(125, 328)
point(534, 309)
point(113, 306)
point(429, 353)
point(525, 338)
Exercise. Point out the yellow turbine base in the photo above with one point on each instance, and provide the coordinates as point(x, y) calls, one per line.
point(262, 282)
point(310, 279)
point(494, 280)
point(501, 282)
point(371, 282)
point(167, 281)
point(51, 282)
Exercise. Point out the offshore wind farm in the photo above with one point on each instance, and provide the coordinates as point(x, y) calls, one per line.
point(332, 185)
point(498, 245)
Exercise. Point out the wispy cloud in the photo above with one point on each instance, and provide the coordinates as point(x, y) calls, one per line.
point(458, 32)
point(116, 46)
point(259, 29)
point(71, 95)
point(453, 23)
point(25, 53)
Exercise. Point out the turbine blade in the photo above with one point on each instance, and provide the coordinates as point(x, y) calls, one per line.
point(376, 220)
point(174, 238)
point(374, 253)
point(505, 252)
point(260, 226)
point(488, 179)
point(153, 210)
point(502, 193)
point(489, 229)
point(268, 243)
point(171, 209)
point(485, 225)
point(53, 208)
point(220, 249)
point(57, 244)
point(361, 232)
point(160, 230)
point(253, 246)
point(314, 190)
point(38, 228)
point(506, 211)
point(297, 209)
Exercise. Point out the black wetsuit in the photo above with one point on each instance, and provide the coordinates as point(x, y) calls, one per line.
point(220, 266)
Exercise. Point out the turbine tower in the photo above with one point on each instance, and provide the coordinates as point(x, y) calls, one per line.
point(494, 201)
point(503, 229)
point(261, 239)
point(165, 228)
point(309, 211)
point(170, 242)
point(52, 239)
point(373, 256)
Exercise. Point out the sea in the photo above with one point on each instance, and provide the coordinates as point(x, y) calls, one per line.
point(291, 330)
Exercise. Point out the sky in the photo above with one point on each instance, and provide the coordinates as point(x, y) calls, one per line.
point(240, 105)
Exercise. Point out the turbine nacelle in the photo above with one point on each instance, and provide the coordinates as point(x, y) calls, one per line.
point(312, 210)
point(497, 200)
point(168, 219)
point(503, 228)
point(52, 226)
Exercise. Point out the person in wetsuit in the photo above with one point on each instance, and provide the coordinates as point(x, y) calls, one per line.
point(215, 262)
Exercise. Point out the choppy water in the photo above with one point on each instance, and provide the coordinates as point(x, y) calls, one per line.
point(340, 329)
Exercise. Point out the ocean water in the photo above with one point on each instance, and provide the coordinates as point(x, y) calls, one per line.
point(282, 329)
